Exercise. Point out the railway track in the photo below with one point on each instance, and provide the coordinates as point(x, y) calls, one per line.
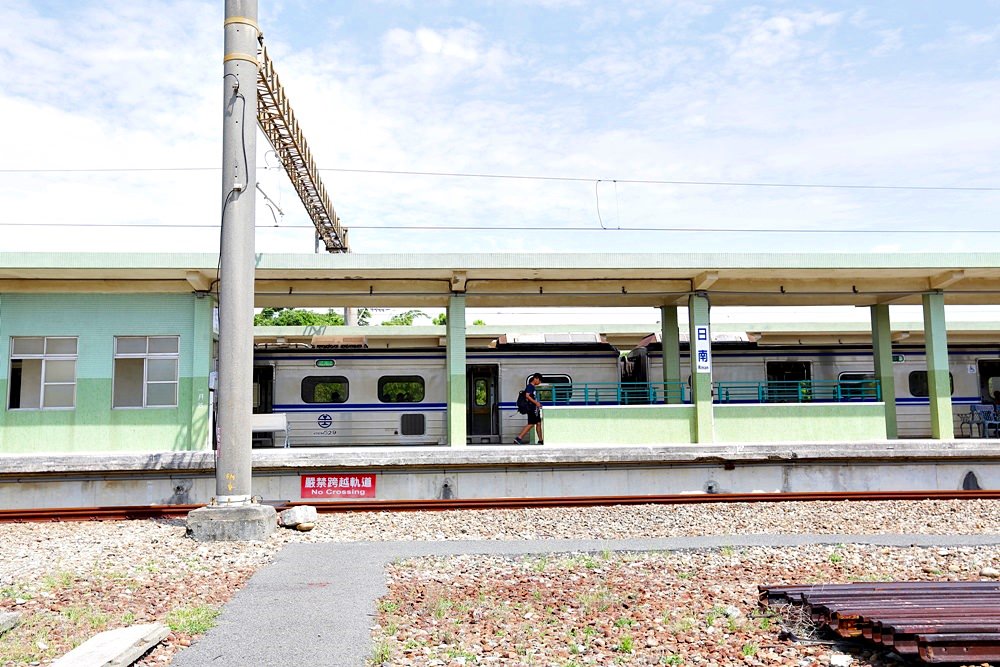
point(122, 513)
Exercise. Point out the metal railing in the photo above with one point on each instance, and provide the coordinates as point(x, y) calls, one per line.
point(797, 391)
point(613, 393)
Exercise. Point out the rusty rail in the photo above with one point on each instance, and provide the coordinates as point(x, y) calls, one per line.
point(157, 511)
point(946, 622)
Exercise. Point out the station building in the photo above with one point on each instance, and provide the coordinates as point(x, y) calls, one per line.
point(115, 353)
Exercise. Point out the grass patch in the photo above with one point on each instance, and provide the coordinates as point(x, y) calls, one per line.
point(193, 620)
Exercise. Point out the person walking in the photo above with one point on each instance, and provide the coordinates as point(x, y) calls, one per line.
point(534, 410)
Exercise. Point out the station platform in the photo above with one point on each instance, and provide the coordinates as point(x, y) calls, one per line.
point(319, 475)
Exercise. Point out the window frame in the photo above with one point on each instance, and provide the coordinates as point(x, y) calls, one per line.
point(926, 383)
point(146, 357)
point(314, 380)
point(44, 357)
point(550, 395)
point(386, 379)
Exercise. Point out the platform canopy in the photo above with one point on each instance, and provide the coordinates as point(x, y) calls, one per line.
point(505, 279)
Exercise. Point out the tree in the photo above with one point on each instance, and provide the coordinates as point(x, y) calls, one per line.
point(440, 320)
point(404, 319)
point(296, 317)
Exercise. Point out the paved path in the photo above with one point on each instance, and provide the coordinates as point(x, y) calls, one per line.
point(315, 604)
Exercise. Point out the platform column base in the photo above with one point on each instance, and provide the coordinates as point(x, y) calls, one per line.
point(240, 523)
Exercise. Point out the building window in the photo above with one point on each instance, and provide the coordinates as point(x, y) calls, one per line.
point(325, 389)
point(400, 389)
point(42, 373)
point(146, 369)
point(918, 383)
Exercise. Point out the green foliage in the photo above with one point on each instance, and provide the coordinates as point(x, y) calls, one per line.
point(440, 320)
point(750, 649)
point(404, 319)
point(626, 645)
point(296, 317)
point(672, 659)
point(478, 323)
point(192, 620)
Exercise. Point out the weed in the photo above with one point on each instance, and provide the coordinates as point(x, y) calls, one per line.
point(128, 618)
point(749, 649)
point(382, 653)
point(388, 606)
point(685, 575)
point(765, 623)
point(727, 551)
point(441, 609)
point(685, 624)
point(672, 659)
point(15, 591)
point(836, 558)
point(624, 623)
point(539, 564)
point(95, 618)
point(714, 613)
point(391, 628)
point(192, 620)
point(537, 595)
point(626, 645)
point(606, 554)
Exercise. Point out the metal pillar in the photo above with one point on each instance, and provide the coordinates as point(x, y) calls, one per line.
point(236, 275)
point(701, 367)
point(455, 346)
point(938, 377)
point(670, 340)
point(882, 351)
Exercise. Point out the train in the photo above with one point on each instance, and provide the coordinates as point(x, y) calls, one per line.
point(356, 395)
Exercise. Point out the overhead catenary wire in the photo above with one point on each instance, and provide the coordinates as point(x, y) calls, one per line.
point(546, 228)
point(536, 177)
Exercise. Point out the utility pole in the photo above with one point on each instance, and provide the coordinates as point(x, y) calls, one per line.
point(234, 516)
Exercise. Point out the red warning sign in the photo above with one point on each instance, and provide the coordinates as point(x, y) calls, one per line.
point(338, 486)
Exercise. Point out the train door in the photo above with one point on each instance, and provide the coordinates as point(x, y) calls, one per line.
point(989, 378)
point(263, 401)
point(482, 403)
point(787, 381)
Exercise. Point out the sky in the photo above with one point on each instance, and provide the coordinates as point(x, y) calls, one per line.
point(579, 100)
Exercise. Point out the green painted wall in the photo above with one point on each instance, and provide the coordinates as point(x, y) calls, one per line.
point(800, 422)
point(619, 425)
point(93, 426)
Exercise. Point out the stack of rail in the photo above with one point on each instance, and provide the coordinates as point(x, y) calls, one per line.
point(948, 622)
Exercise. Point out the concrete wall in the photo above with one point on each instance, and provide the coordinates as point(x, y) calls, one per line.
point(613, 425)
point(800, 422)
point(96, 319)
point(665, 424)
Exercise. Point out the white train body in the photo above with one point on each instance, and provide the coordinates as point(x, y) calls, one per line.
point(975, 372)
point(398, 397)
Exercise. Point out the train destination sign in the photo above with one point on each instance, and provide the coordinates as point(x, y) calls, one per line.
point(326, 363)
point(330, 486)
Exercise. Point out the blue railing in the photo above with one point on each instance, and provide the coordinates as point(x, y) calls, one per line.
point(763, 391)
point(612, 393)
point(797, 391)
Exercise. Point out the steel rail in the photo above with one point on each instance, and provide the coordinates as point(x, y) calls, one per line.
point(167, 511)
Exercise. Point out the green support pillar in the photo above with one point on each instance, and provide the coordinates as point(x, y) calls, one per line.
point(701, 367)
point(455, 343)
point(670, 338)
point(938, 378)
point(882, 350)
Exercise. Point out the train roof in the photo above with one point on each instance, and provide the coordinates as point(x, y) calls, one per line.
point(618, 336)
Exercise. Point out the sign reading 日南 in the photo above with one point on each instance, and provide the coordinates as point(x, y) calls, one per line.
point(338, 486)
point(703, 350)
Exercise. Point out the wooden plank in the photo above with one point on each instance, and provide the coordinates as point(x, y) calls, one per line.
point(115, 648)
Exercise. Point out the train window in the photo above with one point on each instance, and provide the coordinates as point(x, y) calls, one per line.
point(42, 373)
point(325, 389)
point(480, 392)
point(918, 383)
point(548, 388)
point(400, 389)
point(854, 385)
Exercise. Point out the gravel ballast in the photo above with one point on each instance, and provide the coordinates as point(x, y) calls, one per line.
point(71, 580)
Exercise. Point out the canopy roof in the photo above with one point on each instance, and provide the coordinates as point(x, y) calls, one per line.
point(504, 280)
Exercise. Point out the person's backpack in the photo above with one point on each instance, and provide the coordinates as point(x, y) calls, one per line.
point(522, 403)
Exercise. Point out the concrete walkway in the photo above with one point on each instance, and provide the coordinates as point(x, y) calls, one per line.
point(315, 604)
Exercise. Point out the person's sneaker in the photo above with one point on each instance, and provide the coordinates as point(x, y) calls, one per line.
point(518, 441)
point(541, 442)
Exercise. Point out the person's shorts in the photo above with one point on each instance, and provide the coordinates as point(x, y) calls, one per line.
point(534, 417)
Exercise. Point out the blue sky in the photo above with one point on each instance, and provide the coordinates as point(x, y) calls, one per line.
point(892, 93)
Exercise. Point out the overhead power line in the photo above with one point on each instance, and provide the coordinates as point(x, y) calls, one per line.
point(529, 177)
point(545, 228)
